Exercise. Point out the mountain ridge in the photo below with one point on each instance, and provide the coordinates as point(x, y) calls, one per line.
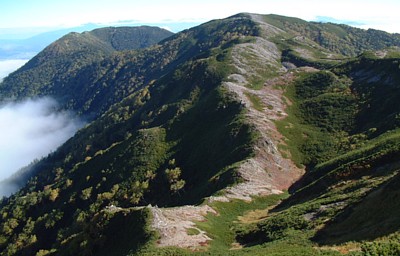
point(74, 54)
point(211, 126)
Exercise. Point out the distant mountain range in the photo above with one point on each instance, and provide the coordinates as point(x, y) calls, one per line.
point(250, 135)
point(29, 47)
point(12, 48)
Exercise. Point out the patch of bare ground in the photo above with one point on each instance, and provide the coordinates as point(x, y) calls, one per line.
point(381, 54)
point(266, 29)
point(268, 172)
point(173, 224)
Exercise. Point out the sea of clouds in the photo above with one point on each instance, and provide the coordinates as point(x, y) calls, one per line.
point(8, 66)
point(30, 130)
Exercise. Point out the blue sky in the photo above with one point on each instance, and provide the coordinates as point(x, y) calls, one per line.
point(17, 16)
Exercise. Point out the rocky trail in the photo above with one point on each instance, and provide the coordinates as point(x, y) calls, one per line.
point(268, 172)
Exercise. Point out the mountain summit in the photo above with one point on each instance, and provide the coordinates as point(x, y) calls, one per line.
point(254, 134)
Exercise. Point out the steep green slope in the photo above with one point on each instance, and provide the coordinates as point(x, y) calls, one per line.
point(138, 152)
point(71, 69)
point(128, 38)
point(343, 39)
point(87, 76)
point(342, 126)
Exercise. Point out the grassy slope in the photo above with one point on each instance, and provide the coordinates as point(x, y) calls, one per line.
point(341, 39)
point(348, 191)
point(131, 172)
point(223, 228)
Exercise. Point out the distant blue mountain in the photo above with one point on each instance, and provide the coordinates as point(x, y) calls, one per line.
point(325, 19)
point(27, 48)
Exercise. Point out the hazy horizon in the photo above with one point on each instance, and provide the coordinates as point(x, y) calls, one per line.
point(49, 15)
point(10, 65)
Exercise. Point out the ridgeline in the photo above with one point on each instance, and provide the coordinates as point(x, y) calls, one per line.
point(250, 135)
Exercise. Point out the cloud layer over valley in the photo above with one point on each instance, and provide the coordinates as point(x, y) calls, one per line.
point(8, 66)
point(31, 130)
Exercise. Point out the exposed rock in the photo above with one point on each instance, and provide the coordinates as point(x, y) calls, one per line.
point(268, 172)
point(173, 223)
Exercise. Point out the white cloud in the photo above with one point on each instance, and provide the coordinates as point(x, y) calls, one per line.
point(7, 188)
point(8, 66)
point(166, 28)
point(31, 130)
